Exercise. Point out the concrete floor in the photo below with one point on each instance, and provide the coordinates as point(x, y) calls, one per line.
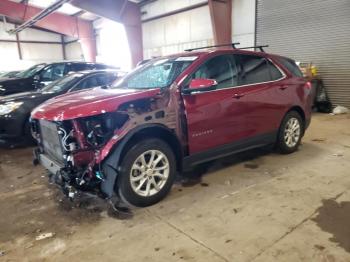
point(259, 206)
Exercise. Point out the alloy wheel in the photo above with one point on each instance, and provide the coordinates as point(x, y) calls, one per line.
point(149, 173)
point(292, 132)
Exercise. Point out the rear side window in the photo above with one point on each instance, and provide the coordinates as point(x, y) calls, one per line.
point(255, 69)
point(222, 69)
point(291, 66)
point(252, 69)
point(76, 67)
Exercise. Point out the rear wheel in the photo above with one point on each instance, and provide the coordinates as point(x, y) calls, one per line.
point(290, 133)
point(147, 173)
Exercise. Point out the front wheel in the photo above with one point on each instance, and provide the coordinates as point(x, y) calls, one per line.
point(148, 171)
point(290, 133)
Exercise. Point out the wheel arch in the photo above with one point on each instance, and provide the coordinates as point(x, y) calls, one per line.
point(156, 131)
point(112, 162)
point(300, 111)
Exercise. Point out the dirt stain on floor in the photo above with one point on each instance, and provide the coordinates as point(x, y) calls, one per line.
point(334, 218)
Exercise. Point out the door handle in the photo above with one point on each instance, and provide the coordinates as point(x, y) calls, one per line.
point(283, 87)
point(238, 96)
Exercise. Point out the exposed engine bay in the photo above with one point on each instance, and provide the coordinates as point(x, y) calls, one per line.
point(74, 145)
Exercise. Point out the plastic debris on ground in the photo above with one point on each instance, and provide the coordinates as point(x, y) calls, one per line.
point(338, 110)
point(44, 236)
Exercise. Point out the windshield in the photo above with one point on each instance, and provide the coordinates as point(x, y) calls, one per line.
point(31, 71)
point(62, 84)
point(158, 73)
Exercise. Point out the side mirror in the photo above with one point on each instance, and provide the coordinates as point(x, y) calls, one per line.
point(200, 85)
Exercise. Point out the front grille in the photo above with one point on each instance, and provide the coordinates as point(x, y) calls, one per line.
point(51, 141)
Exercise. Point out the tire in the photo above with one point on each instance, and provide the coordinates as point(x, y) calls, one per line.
point(290, 133)
point(29, 139)
point(149, 185)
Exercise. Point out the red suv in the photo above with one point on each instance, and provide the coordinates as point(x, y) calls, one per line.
point(168, 115)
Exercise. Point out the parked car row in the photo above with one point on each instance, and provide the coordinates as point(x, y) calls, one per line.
point(22, 92)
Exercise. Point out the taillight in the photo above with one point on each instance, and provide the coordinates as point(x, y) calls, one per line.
point(308, 85)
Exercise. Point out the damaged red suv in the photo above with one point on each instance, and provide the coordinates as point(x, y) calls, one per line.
point(168, 115)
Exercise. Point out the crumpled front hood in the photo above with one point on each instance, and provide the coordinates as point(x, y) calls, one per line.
point(88, 103)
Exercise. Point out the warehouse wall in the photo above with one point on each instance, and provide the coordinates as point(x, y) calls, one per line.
point(31, 53)
point(312, 31)
point(243, 22)
point(74, 51)
point(192, 28)
point(177, 32)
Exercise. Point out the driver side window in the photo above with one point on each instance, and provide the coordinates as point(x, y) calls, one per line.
point(52, 73)
point(220, 68)
point(87, 83)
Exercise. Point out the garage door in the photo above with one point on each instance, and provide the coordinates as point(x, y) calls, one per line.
point(315, 31)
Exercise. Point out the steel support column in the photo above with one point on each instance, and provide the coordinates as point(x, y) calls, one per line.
point(60, 23)
point(122, 11)
point(221, 20)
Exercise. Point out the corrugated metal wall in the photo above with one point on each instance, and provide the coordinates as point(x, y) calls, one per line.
point(315, 31)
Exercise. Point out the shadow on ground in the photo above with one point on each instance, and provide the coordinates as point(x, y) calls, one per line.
point(251, 157)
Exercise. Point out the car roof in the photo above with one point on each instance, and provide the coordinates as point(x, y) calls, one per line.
point(74, 62)
point(90, 72)
point(208, 51)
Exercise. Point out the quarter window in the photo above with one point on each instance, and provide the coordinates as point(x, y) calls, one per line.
point(274, 71)
point(221, 68)
point(291, 66)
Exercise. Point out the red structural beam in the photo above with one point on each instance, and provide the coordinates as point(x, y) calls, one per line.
point(122, 11)
point(221, 20)
point(60, 23)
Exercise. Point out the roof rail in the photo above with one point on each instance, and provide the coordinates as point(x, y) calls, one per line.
point(205, 47)
point(261, 47)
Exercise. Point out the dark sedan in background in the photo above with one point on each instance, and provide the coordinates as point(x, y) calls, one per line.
point(9, 74)
point(43, 74)
point(15, 109)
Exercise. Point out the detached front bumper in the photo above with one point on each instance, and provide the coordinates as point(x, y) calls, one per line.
point(69, 180)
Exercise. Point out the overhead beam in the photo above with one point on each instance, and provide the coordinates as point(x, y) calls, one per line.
point(40, 16)
point(221, 20)
point(122, 11)
point(79, 13)
point(177, 11)
point(60, 23)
